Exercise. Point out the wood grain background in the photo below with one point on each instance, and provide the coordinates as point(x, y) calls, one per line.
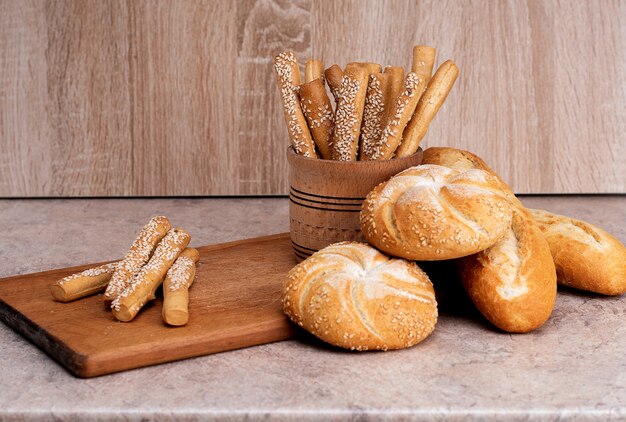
point(116, 98)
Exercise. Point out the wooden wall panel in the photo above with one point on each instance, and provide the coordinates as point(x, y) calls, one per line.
point(123, 97)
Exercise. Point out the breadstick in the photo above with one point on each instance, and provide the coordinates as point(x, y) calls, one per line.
point(373, 113)
point(319, 115)
point(428, 106)
point(86, 283)
point(423, 62)
point(333, 76)
point(313, 69)
point(371, 68)
point(288, 77)
point(176, 288)
point(349, 114)
point(396, 80)
point(398, 114)
point(149, 278)
point(137, 256)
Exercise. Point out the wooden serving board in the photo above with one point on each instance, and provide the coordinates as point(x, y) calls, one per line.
point(234, 303)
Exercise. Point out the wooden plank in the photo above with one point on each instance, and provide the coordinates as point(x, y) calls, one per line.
point(183, 79)
point(178, 98)
point(231, 306)
point(24, 126)
point(89, 109)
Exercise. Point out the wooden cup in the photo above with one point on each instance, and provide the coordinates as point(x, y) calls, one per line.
point(325, 197)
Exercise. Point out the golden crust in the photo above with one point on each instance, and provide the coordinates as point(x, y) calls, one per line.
point(333, 76)
point(352, 296)
point(319, 115)
point(513, 283)
point(586, 257)
point(431, 212)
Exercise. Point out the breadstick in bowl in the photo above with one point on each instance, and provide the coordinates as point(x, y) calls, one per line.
point(333, 76)
point(137, 256)
point(319, 115)
point(149, 278)
point(429, 104)
point(176, 288)
point(313, 70)
point(288, 77)
point(82, 284)
point(349, 114)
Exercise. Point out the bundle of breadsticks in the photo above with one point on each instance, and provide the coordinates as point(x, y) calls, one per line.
point(378, 113)
point(158, 256)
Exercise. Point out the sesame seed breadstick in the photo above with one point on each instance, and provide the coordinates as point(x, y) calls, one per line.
point(313, 69)
point(398, 114)
point(149, 278)
point(136, 257)
point(423, 62)
point(333, 76)
point(349, 114)
point(288, 77)
point(429, 104)
point(373, 113)
point(319, 115)
point(88, 282)
point(396, 79)
point(176, 288)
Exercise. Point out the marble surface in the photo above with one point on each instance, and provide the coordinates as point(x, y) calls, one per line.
point(571, 368)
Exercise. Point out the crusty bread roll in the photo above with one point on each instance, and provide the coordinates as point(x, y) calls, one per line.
point(352, 296)
point(586, 257)
point(461, 160)
point(513, 283)
point(432, 212)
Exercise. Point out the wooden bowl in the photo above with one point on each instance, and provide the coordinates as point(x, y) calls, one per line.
point(325, 197)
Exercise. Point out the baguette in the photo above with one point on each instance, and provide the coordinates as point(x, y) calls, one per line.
point(586, 257)
point(513, 283)
point(334, 76)
point(373, 114)
point(423, 62)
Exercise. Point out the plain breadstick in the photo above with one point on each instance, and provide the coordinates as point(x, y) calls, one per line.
point(349, 114)
point(398, 114)
point(423, 62)
point(176, 288)
point(319, 115)
point(333, 76)
point(288, 77)
point(428, 106)
point(137, 256)
point(313, 69)
point(88, 282)
point(373, 113)
point(149, 278)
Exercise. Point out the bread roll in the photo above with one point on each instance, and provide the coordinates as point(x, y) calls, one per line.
point(513, 283)
point(433, 212)
point(586, 257)
point(352, 296)
point(461, 160)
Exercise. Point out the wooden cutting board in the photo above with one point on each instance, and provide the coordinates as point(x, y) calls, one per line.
point(234, 303)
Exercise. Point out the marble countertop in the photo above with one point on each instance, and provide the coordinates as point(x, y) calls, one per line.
point(574, 367)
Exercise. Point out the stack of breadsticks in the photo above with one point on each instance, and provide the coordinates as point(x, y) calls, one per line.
point(378, 114)
point(159, 255)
